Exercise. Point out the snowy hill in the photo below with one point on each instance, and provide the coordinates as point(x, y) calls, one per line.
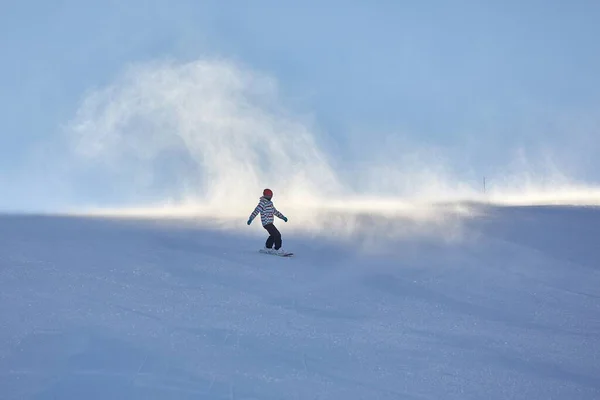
point(506, 305)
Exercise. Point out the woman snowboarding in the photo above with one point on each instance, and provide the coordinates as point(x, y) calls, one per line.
point(267, 212)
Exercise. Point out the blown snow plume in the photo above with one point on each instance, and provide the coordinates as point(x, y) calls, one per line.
point(205, 137)
point(202, 135)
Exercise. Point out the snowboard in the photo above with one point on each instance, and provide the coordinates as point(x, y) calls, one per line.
point(286, 254)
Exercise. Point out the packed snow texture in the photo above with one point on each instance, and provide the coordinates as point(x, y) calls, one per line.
point(507, 306)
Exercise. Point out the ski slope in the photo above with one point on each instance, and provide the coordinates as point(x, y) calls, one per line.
point(504, 306)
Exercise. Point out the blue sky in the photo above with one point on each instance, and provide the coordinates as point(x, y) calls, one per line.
point(477, 79)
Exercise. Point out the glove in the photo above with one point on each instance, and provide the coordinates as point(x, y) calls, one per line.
point(284, 219)
point(249, 221)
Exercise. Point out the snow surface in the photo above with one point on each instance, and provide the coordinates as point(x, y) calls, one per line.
point(115, 308)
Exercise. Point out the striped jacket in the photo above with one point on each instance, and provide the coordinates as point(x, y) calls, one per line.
point(267, 211)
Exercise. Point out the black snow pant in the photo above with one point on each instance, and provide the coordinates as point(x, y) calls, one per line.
point(274, 237)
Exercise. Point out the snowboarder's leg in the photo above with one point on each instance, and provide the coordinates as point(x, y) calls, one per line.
point(277, 240)
point(270, 239)
point(274, 236)
point(269, 242)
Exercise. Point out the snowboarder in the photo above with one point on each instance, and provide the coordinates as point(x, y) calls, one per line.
point(267, 212)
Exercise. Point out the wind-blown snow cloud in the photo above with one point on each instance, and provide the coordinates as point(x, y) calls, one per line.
point(202, 133)
point(205, 137)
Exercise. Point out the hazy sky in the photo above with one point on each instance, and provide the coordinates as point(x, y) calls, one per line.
point(479, 79)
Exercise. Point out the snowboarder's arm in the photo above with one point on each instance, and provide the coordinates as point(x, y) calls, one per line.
point(280, 215)
point(258, 209)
